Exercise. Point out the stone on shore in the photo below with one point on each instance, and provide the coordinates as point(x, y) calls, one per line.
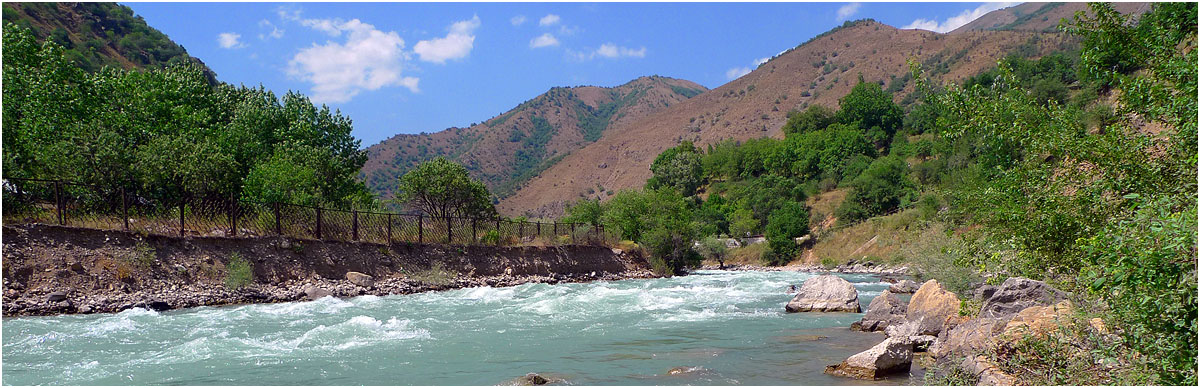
point(930, 306)
point(56, 296)
point(903, 287)
point(893, 355)
point(825, 293)
point(885, 310)
point(313, 292)
point(360, 279)
point(1017, 294)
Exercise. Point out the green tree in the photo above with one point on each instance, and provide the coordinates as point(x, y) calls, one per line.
point(441, 188)
point(815, 118)
point(713, 248)
point(743, 224)
point(872, 110)
point(589, 212)
point(883, 187)
point(678, 167)
point(785, 225)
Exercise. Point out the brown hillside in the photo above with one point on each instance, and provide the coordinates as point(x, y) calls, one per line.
point(1042, 17)
point(508, 149)
point(756, 105)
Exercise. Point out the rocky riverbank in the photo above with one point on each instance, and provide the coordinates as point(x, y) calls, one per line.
point(61, 270)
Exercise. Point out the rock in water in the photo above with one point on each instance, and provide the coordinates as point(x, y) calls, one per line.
point(533, 379)
point(930, 306)
point(825, 293)
point(1017, 294)
point(885, 310)
point(360, 279)
point(893, 355)
point(903, 287)
point(314, 293)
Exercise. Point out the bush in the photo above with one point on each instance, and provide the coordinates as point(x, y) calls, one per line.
point(491, 237)
point(239, 273)
point(882, 188)
point(784, 226)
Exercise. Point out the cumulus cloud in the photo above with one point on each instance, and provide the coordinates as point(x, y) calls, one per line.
point(546, 40)
point(455, 45)
point(736, 72)
point(517, 20)
point(609, 50)
point(230, 40)
point(957, 20)
point(761, 61)
point(275, 31)
point(549, 20)
point(368, 59)
point(848, 10)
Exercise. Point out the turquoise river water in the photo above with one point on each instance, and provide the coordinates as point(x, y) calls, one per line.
point(724, 328)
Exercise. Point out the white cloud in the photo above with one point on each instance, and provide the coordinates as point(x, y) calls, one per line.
point(761, 61)
point(736, 72)
point(275, 31)
point(958, 20)
point(456, 45)
point(328, 26)
point(288, 13)
point(369, 59)
point(848, 10)
point(517, 20)
point(546, 40)
point(549, 20)
point(609, 50)
point(230, 40)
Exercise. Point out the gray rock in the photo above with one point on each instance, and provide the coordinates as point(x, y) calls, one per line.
point(893, 355)
point(533, 379)
point(931, 306)
point(968, 338)
point(312, 292)
point(922, 343)
point(1017, 294)
point(885, 310)
point(985, 292)
point(56, 296)
point(825, 293)
point(360, 279)
point(903, 287)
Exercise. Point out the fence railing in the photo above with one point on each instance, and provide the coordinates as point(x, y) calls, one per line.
point(74, 204)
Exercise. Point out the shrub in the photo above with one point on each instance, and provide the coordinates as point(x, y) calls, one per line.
point(143, 254)
point(882, 188)
point(491, 237)
point(712, 248)
point(785, 224)
point(239, 273)
point(436, 275)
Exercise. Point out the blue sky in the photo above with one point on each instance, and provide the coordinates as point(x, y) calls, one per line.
point(422, 67)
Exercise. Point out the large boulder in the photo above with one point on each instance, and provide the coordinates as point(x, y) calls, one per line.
point(893, 355)
point(313, 292)
point(885, 310)
point(825, 293)
point(930, 306)
point(903, 287)
point(1038, 320)
point(1017, 294)
point(968, 338)
point(360, 279)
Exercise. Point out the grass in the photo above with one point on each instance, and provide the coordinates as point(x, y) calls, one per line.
point(436, 275)
point(747, 255)
point(879, 237)
point(239, 273)
point(143, 255)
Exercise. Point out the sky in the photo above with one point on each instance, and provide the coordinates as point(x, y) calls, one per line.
point(423, 67)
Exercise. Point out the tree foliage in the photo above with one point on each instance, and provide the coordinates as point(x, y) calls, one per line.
point(678, 167)
point(441, 188)
point(784, 226)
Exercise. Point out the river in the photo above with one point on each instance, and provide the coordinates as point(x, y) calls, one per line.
point(725, 328)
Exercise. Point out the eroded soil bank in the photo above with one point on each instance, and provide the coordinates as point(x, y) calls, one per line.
point(55, 270)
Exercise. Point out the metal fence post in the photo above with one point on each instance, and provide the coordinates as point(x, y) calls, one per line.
point(449, 231)
point(498, 234)
point(278, 225)
point(474, 230)
point(182, 204)
point(572, 231)
point(58, 202)
point(389, 228)
point(539, 229)
point(318, 223)
point(556, 229)
point(124, 210)
point(233, 216)
point(354, 225)
point(421, 228)
point(520, 231)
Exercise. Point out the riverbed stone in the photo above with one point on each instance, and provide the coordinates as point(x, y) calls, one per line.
point(360, 279)
point(930, 306)
point(885, 310)
point(903, 287)
point(56, 296)
point(313, 292)
point(893, 355)
point(825, 293)
point(1017, 294)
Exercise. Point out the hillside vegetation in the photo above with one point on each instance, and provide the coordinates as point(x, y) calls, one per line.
point(507, 150)
point(95, 35)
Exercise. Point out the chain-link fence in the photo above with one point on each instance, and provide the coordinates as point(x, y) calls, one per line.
point(28, 201)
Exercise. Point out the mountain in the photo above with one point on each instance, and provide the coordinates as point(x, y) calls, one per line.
point(756, 105)
point(1041, 17)
point(507, 150)
point(100, 34)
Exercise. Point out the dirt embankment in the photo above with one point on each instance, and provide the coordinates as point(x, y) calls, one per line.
point(54, 270)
